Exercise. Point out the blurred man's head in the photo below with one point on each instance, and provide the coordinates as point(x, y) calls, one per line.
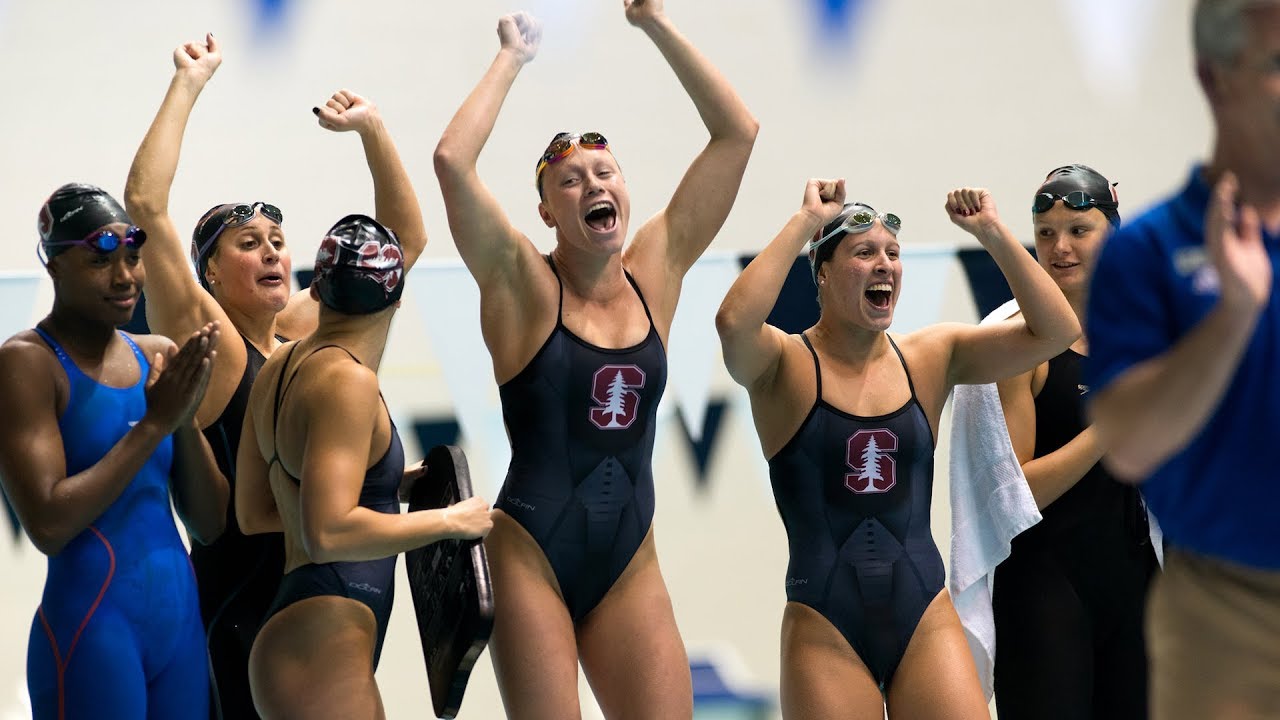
point(1237, 46)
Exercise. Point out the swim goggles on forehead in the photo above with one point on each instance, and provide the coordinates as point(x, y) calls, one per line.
point(105, 241)
point(858, 219)
point(562, 146)
point(239, 215)
point(1076, 200)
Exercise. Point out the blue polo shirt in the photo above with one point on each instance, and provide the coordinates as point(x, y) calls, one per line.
point(1153, 283)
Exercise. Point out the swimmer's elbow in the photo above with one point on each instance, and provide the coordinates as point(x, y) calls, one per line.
point(446, 160)
point(266, 520)
point(729, 320)
point(749, 129)
point(1070, 330)
point(49, 537)
point(1054, 337)
point(252, 520)
point(321, 545)
point(208, 530)
point(724, 320)
point(740, 130)
point(1066, 332)
point(249, 526)
point(140, 203)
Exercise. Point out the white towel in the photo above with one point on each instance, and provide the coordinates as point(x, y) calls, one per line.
point(990, 505)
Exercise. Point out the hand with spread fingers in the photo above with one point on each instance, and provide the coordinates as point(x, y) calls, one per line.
point(177, 382)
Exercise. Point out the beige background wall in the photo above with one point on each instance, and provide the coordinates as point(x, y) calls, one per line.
point(926, 96)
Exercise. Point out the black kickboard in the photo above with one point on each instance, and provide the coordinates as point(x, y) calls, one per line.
point(449, 581)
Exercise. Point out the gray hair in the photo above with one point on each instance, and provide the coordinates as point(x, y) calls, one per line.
point(1219, 28)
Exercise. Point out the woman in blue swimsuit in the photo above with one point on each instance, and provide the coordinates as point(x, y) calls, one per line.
point(100, 435)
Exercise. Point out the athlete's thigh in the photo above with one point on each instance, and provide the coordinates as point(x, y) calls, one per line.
point(631, 649)
point(231, 633)
point(1045, 650)
point(96, 673)
point(534, 654)
point(229, 668)
point(182, 686)
point(937, 677)
point(314, 659)
point(822, 676)
point(1121, 687)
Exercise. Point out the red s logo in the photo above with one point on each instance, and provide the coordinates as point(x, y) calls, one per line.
point(614, 387)
point(868, 456)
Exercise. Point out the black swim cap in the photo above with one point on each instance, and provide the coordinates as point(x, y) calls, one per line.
point(359, 266)
point(206, 226)
point(1082, 178)
point(74, 211)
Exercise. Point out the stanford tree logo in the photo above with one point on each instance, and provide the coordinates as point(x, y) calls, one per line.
point(614, 387)
point(874, 470)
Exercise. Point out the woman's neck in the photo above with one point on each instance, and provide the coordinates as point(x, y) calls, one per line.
point(848, 343)
point(258, 328)
point(82, 337)
point(362, 336)
point(591, 277)
point(1079, 305)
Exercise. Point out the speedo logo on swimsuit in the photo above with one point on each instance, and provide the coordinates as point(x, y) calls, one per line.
point(365, 587)
point(868, 456)
point(1084, 389)
point(792, 582)
point(520, 504)
point(613, 387)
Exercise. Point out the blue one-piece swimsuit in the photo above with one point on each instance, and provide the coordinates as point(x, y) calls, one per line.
point(118, 631)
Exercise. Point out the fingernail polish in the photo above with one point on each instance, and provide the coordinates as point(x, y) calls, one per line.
point(315, 111)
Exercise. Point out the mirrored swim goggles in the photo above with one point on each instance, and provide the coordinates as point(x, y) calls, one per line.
point(859, 218)
point(101, 242)
point(562, 146)
point(1076, 200)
